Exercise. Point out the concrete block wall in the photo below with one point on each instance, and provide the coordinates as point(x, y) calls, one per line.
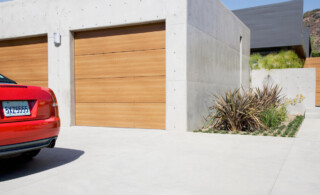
point(293, 82)
point(202, 46)
point(214, 56)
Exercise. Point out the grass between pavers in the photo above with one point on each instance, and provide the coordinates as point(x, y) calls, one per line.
point(285, 130)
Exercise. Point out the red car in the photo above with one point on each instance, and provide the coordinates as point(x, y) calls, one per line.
point(29, 119)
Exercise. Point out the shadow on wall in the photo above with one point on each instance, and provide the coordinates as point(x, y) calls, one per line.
point(47, 159)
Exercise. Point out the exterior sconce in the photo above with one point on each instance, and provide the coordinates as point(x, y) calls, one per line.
point(57, 39)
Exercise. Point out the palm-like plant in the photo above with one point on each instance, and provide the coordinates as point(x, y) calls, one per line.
point(269, 96)
point(240, 110)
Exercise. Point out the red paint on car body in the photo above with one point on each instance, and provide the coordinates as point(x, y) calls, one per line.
point(43, 121)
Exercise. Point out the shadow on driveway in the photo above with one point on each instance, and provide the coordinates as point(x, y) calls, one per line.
point(45, 160)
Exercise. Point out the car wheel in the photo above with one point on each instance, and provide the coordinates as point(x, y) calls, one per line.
point(30, 154)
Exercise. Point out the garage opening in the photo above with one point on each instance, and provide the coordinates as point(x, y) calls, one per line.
point(120, 77)
point(25, 60)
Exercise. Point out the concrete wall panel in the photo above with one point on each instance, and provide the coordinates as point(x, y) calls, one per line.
point(293, 82)
point(206, 31)
point(213, 56)
point(22, 18)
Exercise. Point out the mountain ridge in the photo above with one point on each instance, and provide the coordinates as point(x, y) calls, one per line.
point(311, 19)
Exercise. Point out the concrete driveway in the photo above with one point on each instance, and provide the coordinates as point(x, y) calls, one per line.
point(114, 161)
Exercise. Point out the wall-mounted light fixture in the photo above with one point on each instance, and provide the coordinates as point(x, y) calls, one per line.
point(57, 39)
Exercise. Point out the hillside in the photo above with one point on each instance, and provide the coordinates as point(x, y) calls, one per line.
point(312, 20)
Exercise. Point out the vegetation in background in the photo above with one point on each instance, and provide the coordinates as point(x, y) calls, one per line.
point(311, 19)
point(315, 54)
point(311, 13)
point(313, 44)
point(252, 112)
point(281, 60)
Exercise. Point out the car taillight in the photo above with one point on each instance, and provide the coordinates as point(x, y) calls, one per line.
point(55, 111)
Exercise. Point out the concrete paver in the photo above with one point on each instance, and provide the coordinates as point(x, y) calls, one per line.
point(301, 173)
point(132, 161)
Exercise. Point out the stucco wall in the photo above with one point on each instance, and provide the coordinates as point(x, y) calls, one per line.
point(24, 18)
point(293, 82)
point(213, 56)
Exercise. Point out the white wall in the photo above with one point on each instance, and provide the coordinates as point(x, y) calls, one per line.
point(25, 18)
point(213, 56)
point(293, 82)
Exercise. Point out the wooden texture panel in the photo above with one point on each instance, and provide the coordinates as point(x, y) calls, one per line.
point(23, 49)
point(128, 89)
point(130, 115)
point(124, 64)
point(26, 70)
point(150, 116)
point(34, 83)
point(120, 77)
point(135, 38)
point(25, 60)
point(315, 63)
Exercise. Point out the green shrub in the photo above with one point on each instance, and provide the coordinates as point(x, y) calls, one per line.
point(315, 54)
point(281, 60)
point(273, 116)
point(254, 60)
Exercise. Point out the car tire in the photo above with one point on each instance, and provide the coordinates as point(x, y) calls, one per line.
point(30, 154)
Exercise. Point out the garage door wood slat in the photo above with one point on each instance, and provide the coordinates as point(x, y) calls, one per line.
point(25, 52)
point(26, 70)
point(132, 89)
point(120, 40)
point(34, 83)
point(142, 63)
point(130, 115)
point(120, 77)
point(24, 41)
point(25, 60)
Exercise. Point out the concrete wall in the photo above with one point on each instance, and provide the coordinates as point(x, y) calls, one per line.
point(24, 18)
point(213, 56)
point(213, 33)
point(293, 82)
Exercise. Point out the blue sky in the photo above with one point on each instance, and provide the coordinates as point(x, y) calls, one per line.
point(239, 4)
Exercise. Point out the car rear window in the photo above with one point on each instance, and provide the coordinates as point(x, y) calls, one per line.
point(4, 79)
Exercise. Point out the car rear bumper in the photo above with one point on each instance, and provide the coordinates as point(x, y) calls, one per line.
point(28, 131)
point(27, 146)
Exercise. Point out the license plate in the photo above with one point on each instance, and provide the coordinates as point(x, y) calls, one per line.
point(15, 108)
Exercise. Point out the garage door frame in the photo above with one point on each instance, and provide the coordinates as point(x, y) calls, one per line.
point(73, 83)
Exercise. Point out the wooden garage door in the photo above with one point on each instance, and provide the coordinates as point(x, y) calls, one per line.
point(120, 77)
point(25, 60)
point(315, 63)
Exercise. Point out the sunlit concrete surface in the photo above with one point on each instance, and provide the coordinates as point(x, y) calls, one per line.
point(132, 161)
